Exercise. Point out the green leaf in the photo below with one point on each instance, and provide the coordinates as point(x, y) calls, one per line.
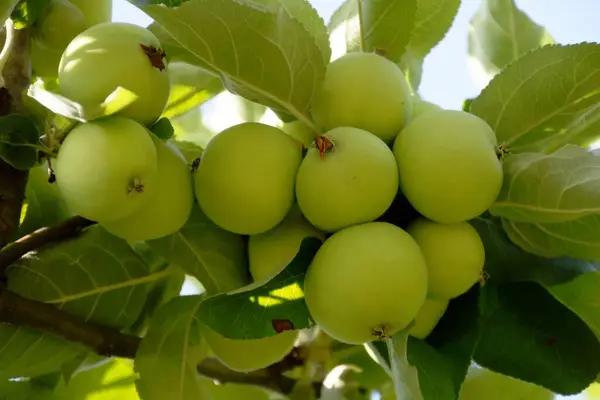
point(23, 390)
point(404, 375)
point(444, 357)
point(412, 66)
point(44, 204)
point(305, 13)
point(344, 28)
point(111, 380)
point(529, 335)
point(548, 188)
point(170, 352)
point(163, 129)
point(28, 352)
point(278, 65)
point(387, 25)
point(580, 295)
point(191, 87)
point(190, 150)
point(506, 262)
point(90, 276)
point(375, 25)
point(551, 93)
point(119, 99)
point(19, 141)
point(160, 293)
point(215, 257)
point(27, 12)
point(499, 33)
point(578, 238)
point(255, 307)
point(433, 19)
point(371, 376)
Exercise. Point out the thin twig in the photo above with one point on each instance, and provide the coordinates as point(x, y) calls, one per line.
point(64, 230)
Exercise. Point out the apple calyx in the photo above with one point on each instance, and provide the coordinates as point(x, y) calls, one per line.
point(155, 55)
point(381, 332)
point(135, 185)
point(324, 145)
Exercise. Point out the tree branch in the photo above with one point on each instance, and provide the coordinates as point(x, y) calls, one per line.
point(64, 230)
point(20, 311)
point(16, 76)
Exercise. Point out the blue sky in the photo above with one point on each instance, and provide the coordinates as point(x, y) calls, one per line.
point(447, 80)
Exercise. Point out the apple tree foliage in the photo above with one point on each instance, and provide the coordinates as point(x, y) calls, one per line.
point(534, 315)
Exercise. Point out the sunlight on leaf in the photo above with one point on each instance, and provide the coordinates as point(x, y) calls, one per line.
point(251, 319)
point(279, 64)
point(499, 33)
point(548, 95)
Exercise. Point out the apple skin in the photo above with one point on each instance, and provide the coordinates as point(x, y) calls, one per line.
point(366, 282)
point(98, 164)
point(245, 180)
point(252, 354)
point(489, 385)
point(428, 317)
point(44, 205)
point(270, 252)
point(455, 256)
point(421, 107)
point(59, 24)
point(241, 391)
point(299, 131)
point(448, 167)
point(366, 91)
point(169, 205)
point(353, 183)
point(52, 32)
point(95, 11)
point(111, 53)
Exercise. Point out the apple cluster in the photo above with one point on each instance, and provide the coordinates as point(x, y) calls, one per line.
point(374, 141)
point(114, 170)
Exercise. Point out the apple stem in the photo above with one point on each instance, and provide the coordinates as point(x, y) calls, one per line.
point(324, 145)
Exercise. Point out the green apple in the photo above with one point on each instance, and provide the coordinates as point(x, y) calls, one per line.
point(245, 180)
point(299, 131)
point(44, 60)
point(366, 91)
point(53, 31)
point(366, 282)
point(240, 391)
point(106, 169)
point(95, 11)
point(169, 205)
point(454, 253)
point(421, 107)
point(489, 385)
point(59, 24)
point(109, 55)
point(251, 354)
point(428, 317)
point(270, 252)
point(44, 204)
point(448, 166)
point(347, 177)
